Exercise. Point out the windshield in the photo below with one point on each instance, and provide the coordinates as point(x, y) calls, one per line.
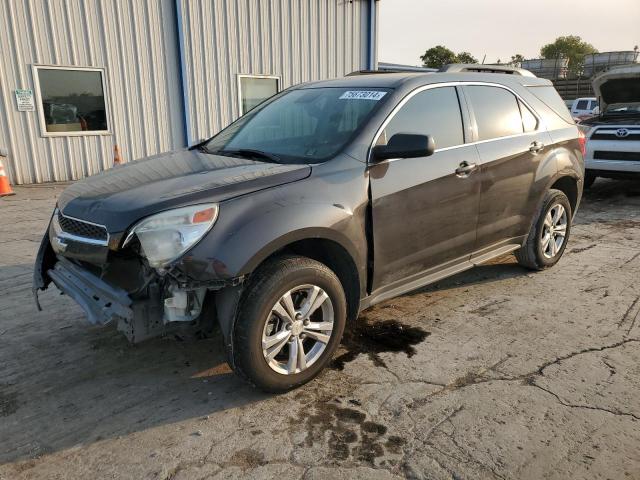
point(623, 109)
point(299, 126)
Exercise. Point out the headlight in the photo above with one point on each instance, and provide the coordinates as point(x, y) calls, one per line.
point(167, 235)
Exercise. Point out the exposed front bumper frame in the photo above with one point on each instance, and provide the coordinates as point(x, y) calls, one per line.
point(101, 302)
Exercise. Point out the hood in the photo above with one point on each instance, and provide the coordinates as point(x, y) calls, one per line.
point(618, 85)
point(119, 197)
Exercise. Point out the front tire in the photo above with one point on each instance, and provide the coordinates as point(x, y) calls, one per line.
point(549, 234)
point(290, 322)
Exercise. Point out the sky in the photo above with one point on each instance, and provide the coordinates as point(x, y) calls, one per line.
point(501, 28)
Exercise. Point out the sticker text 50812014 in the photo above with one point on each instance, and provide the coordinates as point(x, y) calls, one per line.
point(362, 95)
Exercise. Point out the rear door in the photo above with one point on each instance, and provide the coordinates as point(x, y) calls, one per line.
point(511, 144)
point(424, 213)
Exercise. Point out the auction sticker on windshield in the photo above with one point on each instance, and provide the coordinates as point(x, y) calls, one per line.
point(362, 95)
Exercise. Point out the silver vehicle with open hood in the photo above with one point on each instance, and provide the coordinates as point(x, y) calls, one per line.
point(613, 137)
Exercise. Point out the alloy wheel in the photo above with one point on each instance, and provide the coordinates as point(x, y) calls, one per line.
point(297, 329)
point(554, 231)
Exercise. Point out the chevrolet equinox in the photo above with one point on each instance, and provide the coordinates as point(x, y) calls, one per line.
point(322, 201)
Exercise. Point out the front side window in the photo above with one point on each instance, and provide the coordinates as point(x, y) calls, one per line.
point(496, 111)
point(72, 101)
point(434, 112)
point(300, 126)
point(256, 89)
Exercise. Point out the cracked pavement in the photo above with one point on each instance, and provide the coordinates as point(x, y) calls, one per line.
point(519, 375)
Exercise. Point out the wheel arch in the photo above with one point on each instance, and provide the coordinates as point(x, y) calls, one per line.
point(324, 246)
point(568, 184)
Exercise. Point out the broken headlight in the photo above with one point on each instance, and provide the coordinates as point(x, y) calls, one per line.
point(165, 236)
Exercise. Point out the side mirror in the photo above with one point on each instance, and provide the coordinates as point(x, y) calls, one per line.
point(404, 145)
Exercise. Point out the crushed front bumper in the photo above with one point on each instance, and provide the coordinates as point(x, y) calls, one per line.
point(101, 302)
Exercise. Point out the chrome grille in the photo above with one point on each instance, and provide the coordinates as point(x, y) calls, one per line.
point(632, 134)
point(79, 228)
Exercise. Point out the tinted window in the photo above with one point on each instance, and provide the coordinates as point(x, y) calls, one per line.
point(496, 110)
point(549, 96)
point(434, 112)
point(72, 100)
point(594, 104)
point(529, 121)
point(582, 105)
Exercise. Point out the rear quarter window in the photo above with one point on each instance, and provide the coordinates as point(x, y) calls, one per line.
point(549, 96)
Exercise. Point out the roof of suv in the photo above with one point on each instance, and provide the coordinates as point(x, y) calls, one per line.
point(416, 79)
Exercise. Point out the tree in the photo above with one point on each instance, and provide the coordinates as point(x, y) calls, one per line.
point(437, 57)
point(465, 57)
point(516, 60)
point(571, 47)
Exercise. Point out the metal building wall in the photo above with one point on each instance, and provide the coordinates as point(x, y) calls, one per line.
point(297, 40)
point(135, 41)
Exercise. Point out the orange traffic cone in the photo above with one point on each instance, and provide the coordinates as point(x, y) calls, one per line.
point(5, 186)
point(117, 159)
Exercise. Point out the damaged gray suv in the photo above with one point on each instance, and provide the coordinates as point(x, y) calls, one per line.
point(322, 201)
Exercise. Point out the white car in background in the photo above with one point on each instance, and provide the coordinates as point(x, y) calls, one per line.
point(582, 108)
point(613, 136)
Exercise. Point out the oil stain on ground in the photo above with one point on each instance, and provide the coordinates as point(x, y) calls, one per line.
point(348, 434)
point(373, 338)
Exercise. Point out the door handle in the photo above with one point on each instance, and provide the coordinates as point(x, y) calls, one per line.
point(465, 169)
point(536, 147)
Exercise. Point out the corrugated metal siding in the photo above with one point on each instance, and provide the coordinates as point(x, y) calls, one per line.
point(136, 43)
point(297, 40)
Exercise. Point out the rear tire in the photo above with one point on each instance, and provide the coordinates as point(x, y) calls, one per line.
point(286, 330)
point(549, 234)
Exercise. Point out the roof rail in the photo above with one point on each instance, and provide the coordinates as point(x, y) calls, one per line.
point(393, 68)
point(472, 67)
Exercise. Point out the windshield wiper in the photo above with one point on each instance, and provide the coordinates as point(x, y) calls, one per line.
point(250, 154)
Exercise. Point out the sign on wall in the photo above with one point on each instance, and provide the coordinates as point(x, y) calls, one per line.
point(24, 99)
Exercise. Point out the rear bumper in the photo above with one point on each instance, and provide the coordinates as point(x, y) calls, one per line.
point(101, 302)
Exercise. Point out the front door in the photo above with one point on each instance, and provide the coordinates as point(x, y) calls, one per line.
point(424, 209)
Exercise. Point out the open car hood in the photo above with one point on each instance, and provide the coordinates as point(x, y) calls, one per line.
point(618, 85)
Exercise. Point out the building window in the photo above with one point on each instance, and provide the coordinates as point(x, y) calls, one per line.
point(254, 89)
point(72, 100)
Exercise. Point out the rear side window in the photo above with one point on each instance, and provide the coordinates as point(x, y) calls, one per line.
point(551, 99)
point(582, 105)
point(496, 110)
point(434, 112)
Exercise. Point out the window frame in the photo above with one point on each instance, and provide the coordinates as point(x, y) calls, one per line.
point(522, 106)
point(467, 114)
point(240, 76)
point(38, 93)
